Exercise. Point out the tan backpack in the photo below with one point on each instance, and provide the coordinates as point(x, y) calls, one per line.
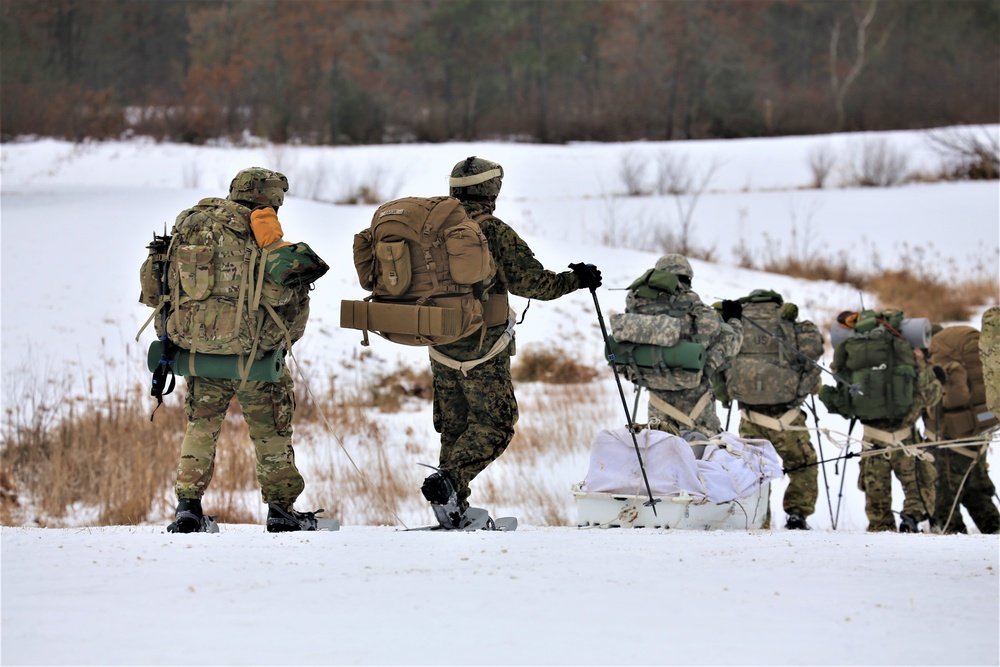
point(427, 264)
point(961, 344)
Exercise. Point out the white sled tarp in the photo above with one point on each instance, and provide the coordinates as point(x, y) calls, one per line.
point(720, 483)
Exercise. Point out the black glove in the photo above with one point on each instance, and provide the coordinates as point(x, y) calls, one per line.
point(940, 374)
point(588, 275)
point(731, 310)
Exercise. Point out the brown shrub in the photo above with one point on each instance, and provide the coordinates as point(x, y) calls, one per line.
point(553, 367)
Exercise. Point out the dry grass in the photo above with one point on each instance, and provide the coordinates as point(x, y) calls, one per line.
point(553, 367)
point(923, 287)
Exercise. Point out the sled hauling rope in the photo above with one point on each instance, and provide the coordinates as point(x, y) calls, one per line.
point(621, 392)
point(326, 422)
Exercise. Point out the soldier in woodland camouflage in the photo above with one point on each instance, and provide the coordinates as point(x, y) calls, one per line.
point(474, 405)
point(211, 312)
point(770, 382)
point(680, 399)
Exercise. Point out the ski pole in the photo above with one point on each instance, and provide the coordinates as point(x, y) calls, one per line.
point(840, 494)
point(621, 392)
point(819, 440)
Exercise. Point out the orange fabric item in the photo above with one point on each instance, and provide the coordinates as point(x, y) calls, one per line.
point(847, 319)
point(266, 228)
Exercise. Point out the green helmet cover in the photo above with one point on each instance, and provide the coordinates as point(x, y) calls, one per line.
point(257, 185)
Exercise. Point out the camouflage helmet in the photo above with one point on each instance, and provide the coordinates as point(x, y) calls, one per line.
point(257, 185)
point(675, 264)
point(476, 179)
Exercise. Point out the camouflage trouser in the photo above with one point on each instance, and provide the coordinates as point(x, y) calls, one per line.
point(977, 493)
point(475, 415)
point(685, 400)
point(798, 455)
point(267, 408)
point(875, 480)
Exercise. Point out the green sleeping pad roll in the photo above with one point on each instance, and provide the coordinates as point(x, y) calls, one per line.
point(220, 366)
point(687, 355)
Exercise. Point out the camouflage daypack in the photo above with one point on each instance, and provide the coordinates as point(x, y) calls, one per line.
point(221, 297)
point(765, 371)
point(428, 265)
point(960, 418)
point(878, 370)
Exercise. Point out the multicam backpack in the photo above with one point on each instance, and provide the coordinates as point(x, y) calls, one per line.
point(765, 371)
point(878, 370)
point(220, 296)
point(427, 264)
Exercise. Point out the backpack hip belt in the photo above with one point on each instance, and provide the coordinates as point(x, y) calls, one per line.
point(782, 423)
point(887, 437)
point(676, 413)
point(466, 366)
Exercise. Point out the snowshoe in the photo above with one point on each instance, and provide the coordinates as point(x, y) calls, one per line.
point(908, 524)
point(280, 520)
point(188, 518)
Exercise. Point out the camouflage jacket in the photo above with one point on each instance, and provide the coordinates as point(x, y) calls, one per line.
point(518, 273)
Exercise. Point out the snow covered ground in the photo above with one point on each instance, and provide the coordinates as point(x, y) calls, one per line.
point(75, 219)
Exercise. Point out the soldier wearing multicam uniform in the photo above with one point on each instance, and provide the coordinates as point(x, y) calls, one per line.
point(771, 381)
point(474, 405)
point(680, 399)
point(989, 354)
point(916, 475)
point(212, 311)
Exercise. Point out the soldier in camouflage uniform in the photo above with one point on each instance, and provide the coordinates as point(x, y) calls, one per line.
point(474, 405)
point(771, 382)
point(268, 407)
point(680, 399)
point(961, 414)
point(917, 476)
point(989, 353)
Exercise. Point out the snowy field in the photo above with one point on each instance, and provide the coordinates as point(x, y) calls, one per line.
point(75, 220)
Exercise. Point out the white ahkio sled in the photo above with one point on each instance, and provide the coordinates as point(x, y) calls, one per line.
point(700, 483)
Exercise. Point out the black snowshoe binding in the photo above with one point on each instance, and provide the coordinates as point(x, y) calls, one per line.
point(188, 518)
point(908, 524)
point(441, 494)
point(796, 522)
point(282, 521)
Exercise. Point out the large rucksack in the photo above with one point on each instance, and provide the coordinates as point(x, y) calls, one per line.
point(428, 266)
point(657, 351)
point(222, 293)
point(961, 344)
point(878, 371)
point(765, 371)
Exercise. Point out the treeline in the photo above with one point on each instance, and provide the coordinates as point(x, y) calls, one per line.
point(372, 71)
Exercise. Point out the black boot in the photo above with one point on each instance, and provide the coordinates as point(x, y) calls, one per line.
point(908, 524)
point(188, 517)
point(796, 521)
point(280, 520)
point(440, 493)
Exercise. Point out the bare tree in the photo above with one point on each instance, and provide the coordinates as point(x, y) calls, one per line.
point(839, 86)
point(821, 163)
